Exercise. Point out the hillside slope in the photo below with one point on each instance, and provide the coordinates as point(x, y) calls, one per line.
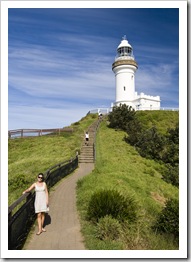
point(119, 166)
point(162, 120)
point(29, 156)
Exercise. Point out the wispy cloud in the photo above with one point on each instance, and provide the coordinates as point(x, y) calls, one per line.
point(61, 64)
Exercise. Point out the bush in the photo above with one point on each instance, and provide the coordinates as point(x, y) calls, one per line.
point(111, 202)
point(151, 144)
point(108, 228)
point(171, 153)
point(171, 175)
point(134, 130)
point(120, 116)
point(18, 181)
point(168, 219)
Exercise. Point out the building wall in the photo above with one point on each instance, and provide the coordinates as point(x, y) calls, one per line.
point(147, 102)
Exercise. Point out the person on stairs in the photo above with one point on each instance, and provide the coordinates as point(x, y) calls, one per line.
point(41, 201)
point(86, 138)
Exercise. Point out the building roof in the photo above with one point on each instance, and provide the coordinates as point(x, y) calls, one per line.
point(124, 43)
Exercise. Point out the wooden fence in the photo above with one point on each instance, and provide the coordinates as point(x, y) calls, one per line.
point(36, 132)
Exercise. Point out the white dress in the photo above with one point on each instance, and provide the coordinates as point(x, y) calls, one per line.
point(40, 199)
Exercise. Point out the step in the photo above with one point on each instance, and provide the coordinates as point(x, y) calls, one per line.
point(86, 161)
point(86, 154)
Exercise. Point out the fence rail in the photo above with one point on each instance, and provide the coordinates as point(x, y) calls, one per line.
point(20, 222)
point(105, 111)
point(38, 132)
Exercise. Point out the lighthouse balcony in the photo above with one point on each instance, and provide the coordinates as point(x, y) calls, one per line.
point(124, 57)
point(123, 62)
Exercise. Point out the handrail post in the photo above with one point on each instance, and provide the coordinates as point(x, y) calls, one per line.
point(9, 230)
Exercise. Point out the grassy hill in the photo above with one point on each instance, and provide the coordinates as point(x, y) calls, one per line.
point(162, 120)
point(120, 167)
point(29, 156)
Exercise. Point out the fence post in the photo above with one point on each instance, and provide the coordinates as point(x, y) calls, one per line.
point(9, 230)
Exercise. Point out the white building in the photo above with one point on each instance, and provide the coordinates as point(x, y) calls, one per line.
point(124, 68)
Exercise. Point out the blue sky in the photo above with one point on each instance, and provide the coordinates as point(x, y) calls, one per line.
point(59, 60)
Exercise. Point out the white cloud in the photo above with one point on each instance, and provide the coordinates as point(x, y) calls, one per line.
point(71, 67)
point(41, 117)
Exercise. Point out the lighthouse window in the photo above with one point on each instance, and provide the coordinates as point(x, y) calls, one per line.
point(124, 51)
point(124, 88)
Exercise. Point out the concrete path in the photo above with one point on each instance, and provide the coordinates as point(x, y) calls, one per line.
point(62, 222)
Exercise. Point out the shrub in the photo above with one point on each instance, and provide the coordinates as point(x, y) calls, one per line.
point(111, 202)
point(108, 228)
point(151, 144)
point(171, 175)
point(18, 182)
point(134, 130)
point(76, 123)
point(168, 219)
point(120, 116)
point(171, 153)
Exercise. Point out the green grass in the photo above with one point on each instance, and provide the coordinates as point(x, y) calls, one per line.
point(162, 120)
point(119, 166)
point(29, 156)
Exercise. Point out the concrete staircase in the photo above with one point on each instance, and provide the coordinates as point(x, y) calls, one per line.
point(87, 151)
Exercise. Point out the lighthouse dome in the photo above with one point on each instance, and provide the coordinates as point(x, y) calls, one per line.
point(124, 43)
point(124, 50)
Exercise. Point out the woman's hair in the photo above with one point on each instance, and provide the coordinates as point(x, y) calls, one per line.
point(41, 175)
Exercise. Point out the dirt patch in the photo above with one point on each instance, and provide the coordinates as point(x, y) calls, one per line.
point(158, 198)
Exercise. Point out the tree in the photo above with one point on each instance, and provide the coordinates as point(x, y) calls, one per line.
point(150, 144)
point(120, 116)
point(171, 151)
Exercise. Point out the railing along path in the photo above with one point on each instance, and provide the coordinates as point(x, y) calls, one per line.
point(37, 132)
point(21, 216)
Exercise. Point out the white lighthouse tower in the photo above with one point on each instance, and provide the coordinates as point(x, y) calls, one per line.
point(124, 68)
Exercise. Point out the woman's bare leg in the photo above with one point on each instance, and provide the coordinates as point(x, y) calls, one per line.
point(42, 220)
point(39, 219)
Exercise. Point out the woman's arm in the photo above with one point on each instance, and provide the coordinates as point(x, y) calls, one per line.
point(29, 189)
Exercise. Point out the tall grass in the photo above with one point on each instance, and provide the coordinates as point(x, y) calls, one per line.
point(162, 120)
point(119, 166)
point(29, 156)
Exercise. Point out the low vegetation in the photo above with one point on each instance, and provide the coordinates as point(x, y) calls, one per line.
point(121, 170)
point(151, 140)
point(29, 156)
point(130, 200)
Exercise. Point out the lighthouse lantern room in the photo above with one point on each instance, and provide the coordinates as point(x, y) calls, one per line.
point(124, 69)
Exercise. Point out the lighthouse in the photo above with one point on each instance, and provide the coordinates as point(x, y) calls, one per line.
point(124, 68)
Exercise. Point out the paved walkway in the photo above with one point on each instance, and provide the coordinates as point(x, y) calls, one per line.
point(62, 222)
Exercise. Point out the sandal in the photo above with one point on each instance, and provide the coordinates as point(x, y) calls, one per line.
point(38, 233)
point(43, 230)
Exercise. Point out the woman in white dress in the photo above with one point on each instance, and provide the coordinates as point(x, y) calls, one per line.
point(41, 201)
